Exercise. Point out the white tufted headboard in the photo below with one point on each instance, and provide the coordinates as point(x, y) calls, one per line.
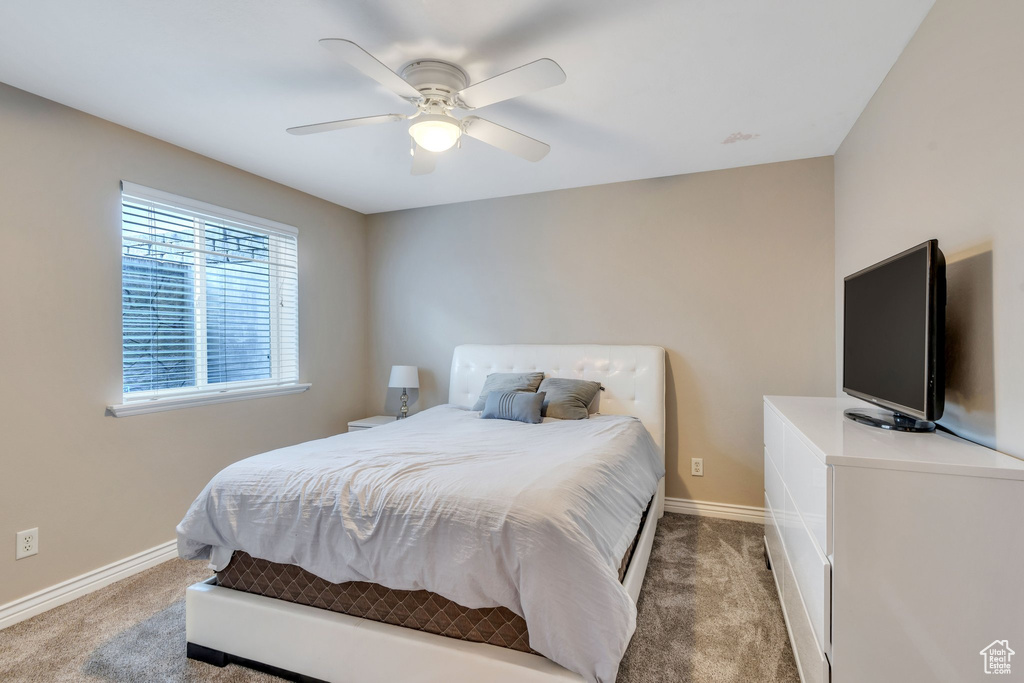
point(633, 377)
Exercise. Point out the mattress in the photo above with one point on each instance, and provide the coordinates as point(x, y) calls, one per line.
point(420, 610)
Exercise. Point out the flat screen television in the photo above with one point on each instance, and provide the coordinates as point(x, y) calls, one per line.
point(894, 339)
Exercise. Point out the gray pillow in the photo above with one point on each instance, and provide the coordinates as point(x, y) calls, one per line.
point(508, 381)
point(568, 399)
point(513, 405)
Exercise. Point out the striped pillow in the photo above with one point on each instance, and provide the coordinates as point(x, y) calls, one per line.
point(513, 405)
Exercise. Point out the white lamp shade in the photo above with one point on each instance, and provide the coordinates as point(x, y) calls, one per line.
point(404, 376)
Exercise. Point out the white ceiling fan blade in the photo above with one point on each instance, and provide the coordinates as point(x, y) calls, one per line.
point(505, 138)
point(345, 123)
point(528, 78)
point(370, 66)
point(423, 161)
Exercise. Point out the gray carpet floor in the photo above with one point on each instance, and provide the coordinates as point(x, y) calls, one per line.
point(708, 613)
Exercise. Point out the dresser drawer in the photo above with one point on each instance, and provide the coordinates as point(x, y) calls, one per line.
point(811, 660)
point(809, 482)
point(773, 539)
point(773, 435)
point(773, 489)
point(812, 574)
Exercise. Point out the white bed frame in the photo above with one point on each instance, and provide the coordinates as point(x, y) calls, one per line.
point(301, 642)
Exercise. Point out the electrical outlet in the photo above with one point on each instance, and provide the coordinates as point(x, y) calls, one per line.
point(28, 543)
point(697, 467)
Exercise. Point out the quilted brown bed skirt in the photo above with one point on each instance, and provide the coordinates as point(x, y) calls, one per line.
point(420, 610)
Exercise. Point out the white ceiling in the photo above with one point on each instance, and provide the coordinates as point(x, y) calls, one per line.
point(655, 87)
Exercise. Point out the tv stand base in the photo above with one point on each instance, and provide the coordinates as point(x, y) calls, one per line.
point(884, 419)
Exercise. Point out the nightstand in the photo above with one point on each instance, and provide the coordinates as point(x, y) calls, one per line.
point(370, 422)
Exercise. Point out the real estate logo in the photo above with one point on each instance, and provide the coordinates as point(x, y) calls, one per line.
point(997, 657)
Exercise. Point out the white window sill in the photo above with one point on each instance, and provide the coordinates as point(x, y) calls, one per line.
point(156, 405)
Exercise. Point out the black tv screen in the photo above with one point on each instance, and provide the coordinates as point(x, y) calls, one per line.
point(894, 324)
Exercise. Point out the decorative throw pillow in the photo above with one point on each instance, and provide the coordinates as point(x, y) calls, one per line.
point(568, 399)
point(508, 381)
point(513, 405)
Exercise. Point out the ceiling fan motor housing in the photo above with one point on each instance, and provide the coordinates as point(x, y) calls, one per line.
point(434, 78)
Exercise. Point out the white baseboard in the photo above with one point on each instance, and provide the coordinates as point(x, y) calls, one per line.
point(703, 508)
point(66, 591)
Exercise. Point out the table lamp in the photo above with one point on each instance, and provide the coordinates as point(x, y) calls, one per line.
point(404, 377)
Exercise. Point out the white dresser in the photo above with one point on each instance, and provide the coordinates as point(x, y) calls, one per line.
point(897, 556)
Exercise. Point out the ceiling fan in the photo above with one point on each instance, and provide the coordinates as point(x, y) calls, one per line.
point(437, 88)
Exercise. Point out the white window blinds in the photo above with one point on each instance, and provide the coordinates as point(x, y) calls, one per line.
point(209, 298)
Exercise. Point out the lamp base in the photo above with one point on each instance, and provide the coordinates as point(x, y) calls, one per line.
point(405, 405)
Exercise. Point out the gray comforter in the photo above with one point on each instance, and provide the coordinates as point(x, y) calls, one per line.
point(535, 518)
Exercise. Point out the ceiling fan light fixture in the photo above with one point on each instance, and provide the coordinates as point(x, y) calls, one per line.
point(435, 132)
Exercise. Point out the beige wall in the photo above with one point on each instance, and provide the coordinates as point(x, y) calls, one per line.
point(102, 488)
point(939, 152)
point(731, 271)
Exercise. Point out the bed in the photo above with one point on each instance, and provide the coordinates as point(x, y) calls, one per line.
point(519, 522)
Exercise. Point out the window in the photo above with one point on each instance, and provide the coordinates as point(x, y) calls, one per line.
point(209, 303)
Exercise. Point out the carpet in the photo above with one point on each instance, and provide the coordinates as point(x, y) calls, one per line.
point(708, 613)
